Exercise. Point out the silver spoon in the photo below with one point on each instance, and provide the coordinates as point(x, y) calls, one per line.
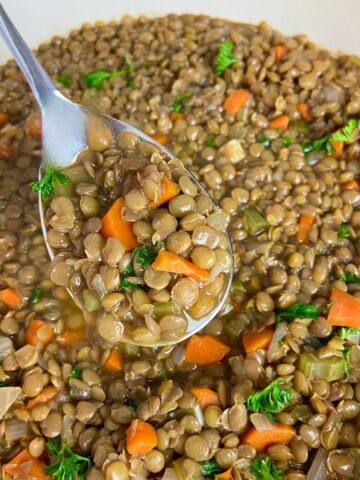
point(65, 120)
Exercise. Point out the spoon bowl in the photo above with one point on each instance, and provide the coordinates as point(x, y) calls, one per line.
point(65, 135)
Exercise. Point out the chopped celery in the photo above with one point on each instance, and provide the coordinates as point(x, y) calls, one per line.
point(197, 412)
point(254, 222)
point(237, 286)
point(165, 308)
point(65, 189)
point(313, 367)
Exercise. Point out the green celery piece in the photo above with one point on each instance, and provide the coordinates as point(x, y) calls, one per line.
point(313, 367)
point(254, 222)
point(274, 398)
point(165, 308)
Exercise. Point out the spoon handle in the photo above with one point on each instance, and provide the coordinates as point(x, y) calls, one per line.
point(39, 81)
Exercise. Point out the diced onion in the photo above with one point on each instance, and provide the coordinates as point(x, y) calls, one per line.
point(6, 346)
point(318, 470)
point(280, 332)
point(261, 422)
point(16, 430)
point(169, 474)
point(8, 395)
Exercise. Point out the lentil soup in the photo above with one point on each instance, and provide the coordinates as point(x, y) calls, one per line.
point(270, 388)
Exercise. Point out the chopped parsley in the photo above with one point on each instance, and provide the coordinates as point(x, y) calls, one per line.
point(344, 231)
point(349, 277)
point(64, 80)
point(97, 78)
point(263, 468)
point(46, 185)
point(178, 105)
point(297, 310)
point(68, 465)
point(75, 372)
point(210, 467)
point(144, 255)
point(265, 142)
point(346, 332)
point(211, 142)
point(346, 134)
point(225, 57)
point(272, 399)
point(37, 294)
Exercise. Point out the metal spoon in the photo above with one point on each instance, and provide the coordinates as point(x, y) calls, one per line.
point(64, 135)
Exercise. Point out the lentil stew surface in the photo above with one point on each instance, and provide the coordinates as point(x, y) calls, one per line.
point(271, 386)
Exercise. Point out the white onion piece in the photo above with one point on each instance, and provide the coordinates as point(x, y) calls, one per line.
point(169, 474)
point(318, 469)
point(178, 355)
point(16, 429)
point(8, 395)
point(262, 422)
point(280, 332)
point(6, 346)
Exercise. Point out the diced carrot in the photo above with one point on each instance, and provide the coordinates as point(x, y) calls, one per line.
point(279, 123)
point(69, 337)
point(259, 339)
point(305, 224)
point(160, 138)
point(45, 396)
point(173, 263)
point(280, 434)
point(177, 116)
point(39, 332)
point(344, 310)
point(114, 362)
point(33, 125)
point(350, 185)
point(140, 437)
point(279, 51)
point(227, 475)
point(36, 468)
point(114, 226)
point(236, 100)
point(304, 110)
point(205, 349)
point(169, 190)
point(6, 149)
point(205, 396)
point(10, 298)
point(4, 118)
point(338, 147)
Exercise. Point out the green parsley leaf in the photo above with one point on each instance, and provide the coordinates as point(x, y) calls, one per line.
point(46, 185)
point(124, 283)
point(346, 355)
point(263, 468)
point(75, 372)
point(36, 294)
point(211, 142)
point(130, 83)
point(345, 332)
point(129, 63)
point(265, 142)
point(346, 134)
point(225, 57)
point(344, 231)
point(68, 465)
point(97, 78)
point(178, 105)
point(144, 255)
point(272, 399)
point(349, 277)
point(64, 80)
point(298, 310)
point(210, 467)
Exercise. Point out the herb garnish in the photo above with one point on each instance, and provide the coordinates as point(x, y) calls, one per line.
point(178, 105)
point(97, 78)
point(345, 332)
point(265, 142)
point(263, 468)
point(64, 80)
point(225, 57)
point(345, 134)
point(297, 310)
point(210, 467)
point(75, 372)
point(346, 355)
point(67, 463)
point(36, 294)
point(272, 399)
point(143, 256)
point(344, 231)
point(349, 277)
point(211, 142)
point(46, 185)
